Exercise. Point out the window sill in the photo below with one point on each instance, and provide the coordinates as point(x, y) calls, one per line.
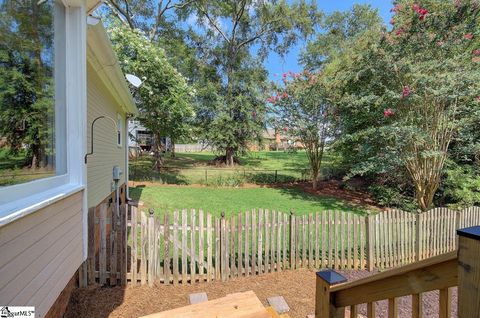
point(15, 210)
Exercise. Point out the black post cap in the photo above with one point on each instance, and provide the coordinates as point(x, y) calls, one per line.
point(470, 232)
point(331, 277)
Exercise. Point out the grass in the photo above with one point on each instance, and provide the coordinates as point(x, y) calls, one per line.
point(233, 200)
point(12, 170)
point(255, 167)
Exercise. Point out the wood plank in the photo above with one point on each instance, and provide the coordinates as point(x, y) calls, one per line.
point(209, 247)
point(349, 235)
point(218, 252)
point(254, 242)
point(371, 309)
point(114, 212)
point(273, 237)
point(445, 303)
point(193, 246)
point(468, 277)
point(267, 241)
point(201, 249)
point(239, 244)
point(103, 244)
point(292, 240)
point(304, 240)
point(279, 240)
point(260, 241)
point(356, 243)
point(239, 305)
point(166, 249)
point(184, 246)
point(232, 249)
point(417, 306)
point(392, 308)
point(286, 227)
point(331, 230)
point(143, 246)
point(150, 248)
point(124, 245)
point(175, 247)
point(310, 240)
point(92, 238)
point(223, 248)
point(353, 311)
point(324, 262)
point(298, 241)
point(134, 234)
point(430, 274)
point(362, 236)
point(317, 240)
point(246, 259)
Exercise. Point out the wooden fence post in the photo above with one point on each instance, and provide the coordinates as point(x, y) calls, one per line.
point(223, 254)
point(458, 223)
point(91, 246)
point(292, 240)
point(418, 236)
point(323, 305)
point(150, 246)
point(469, 272)
point(370, 222)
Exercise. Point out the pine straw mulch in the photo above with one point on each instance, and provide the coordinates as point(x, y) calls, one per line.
point(297, 286)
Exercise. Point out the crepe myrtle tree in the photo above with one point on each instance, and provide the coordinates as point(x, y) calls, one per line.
point(164, 99)
point(403, 94)
point(301, 106)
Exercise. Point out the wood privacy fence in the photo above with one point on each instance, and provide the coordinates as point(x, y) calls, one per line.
point(190, 246)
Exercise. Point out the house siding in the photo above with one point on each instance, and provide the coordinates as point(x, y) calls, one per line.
point(107, 153)
point(40, 253)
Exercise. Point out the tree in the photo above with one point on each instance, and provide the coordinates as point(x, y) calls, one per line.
point(402, 94)
point(164, 97)
point(231, 30)
point(27, 100)
point(303, 109)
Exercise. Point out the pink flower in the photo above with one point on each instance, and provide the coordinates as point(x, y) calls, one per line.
point(422, 12)
point(440, 43)
point(392, 21)
point(406, 91)
point(399, 31)
point(284, 95)
point(270, 99)
point(476, 52)
point(476, 59)
point(284, 75)
point(478, 99)
point(388, 112)
point(468, 36)
point(396, 8)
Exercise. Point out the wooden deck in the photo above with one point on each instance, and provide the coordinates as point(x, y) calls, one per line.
point(239, 305)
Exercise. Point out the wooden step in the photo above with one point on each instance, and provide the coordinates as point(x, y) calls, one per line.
point(274, 314)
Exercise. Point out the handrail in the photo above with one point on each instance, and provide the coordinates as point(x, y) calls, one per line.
point(436, 273)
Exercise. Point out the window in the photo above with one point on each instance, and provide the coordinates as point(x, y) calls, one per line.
point(32, 91)
point(42, 120)
point(119, 130)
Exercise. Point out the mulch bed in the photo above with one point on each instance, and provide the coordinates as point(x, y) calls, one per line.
point(298, 288)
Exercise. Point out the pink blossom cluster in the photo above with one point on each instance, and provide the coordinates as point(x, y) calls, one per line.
point(388, 112)
point(422, 12)
point(275, 98)
point(396, 8)
point(468, 36)
point(476, 52)
point(406, 91)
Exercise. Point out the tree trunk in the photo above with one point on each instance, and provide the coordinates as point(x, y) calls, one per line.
point(315, 179)
point(173, 148)
point(157, 152)
point(229, 157)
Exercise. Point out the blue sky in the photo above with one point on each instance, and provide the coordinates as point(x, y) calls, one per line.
point(277, 65)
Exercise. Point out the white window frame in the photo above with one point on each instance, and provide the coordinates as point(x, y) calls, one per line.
point(22, 199)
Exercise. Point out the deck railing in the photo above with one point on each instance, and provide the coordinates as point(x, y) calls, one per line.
point(462, 269)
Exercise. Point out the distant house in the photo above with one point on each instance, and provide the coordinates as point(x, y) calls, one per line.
point(43, 223)
point(274, 139)
point(141, 139)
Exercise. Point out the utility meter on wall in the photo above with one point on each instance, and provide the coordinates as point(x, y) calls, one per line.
point(117, 173)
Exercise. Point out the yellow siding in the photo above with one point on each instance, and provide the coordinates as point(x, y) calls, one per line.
point(40, 253)
point(106, 152)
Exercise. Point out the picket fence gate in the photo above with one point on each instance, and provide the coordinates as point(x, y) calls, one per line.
point(188, 246)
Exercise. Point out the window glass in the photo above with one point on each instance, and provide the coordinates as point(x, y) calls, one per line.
point(27, 91)
point(119, 130)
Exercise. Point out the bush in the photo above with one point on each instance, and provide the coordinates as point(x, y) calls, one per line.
point(232, 180)
point(392, 198)
point(462, 186)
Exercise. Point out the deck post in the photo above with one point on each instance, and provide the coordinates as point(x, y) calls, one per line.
point(469, 272)
point(324, 307)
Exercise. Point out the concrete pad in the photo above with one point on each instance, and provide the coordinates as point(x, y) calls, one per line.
point(198, 298)
point(279, 304)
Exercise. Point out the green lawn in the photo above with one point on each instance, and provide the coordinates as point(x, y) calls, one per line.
point(232, 200)
point(256, 167)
